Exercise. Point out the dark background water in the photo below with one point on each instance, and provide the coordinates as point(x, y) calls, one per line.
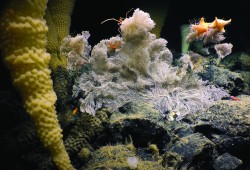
point(180, 12)
point(88, 15)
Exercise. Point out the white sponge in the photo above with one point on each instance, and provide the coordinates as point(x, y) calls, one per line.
point(137, 26)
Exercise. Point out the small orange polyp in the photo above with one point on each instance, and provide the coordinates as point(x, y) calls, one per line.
point(115, 45)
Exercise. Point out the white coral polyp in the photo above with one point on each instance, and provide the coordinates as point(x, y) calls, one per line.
point(137, 26)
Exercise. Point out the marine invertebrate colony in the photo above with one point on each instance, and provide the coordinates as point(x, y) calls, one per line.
point(23, 41)
point(208, 30)
point(210, 36)
point(58, 19)
point(140, 69)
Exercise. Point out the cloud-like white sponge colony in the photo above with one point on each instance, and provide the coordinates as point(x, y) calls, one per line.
point(136, 26)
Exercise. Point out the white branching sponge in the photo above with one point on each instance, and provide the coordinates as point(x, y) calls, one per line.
point(137, 67)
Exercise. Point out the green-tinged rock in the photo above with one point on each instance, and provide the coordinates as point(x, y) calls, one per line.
point(119, 157)
point(245, 61)
point(231, 81)
point(193, 148)
point(227, 162)
point(142, 123)
point(86, 129)
point(246, 77)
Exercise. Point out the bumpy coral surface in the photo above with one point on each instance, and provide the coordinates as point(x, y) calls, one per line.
point(23, 37)
point(58, 18)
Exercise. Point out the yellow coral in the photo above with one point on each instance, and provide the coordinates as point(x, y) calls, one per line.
point(23, 36)
point(58, 18)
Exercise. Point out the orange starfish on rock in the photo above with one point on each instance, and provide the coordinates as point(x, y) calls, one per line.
point(219, 24)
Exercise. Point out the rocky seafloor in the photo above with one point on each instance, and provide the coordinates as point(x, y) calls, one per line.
point(216, 139)
point(137, 136)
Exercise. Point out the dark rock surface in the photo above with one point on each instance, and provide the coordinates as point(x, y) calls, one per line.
point(227, 162)
point(216, 139)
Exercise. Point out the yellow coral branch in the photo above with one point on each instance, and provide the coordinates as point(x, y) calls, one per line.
point(58, 18)
point(23, 35)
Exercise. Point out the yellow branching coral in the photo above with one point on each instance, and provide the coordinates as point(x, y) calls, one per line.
point(58, 18)
point(23, 40)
